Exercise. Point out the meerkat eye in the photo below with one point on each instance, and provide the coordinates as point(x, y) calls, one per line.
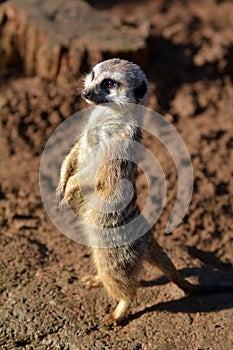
point(109, 84)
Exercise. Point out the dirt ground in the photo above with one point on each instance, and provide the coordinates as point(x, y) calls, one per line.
point(44, 305)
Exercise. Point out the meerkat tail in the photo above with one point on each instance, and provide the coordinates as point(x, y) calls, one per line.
point(155, 255)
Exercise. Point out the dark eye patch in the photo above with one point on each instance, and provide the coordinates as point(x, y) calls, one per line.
point(92, 74)
point(109, 84)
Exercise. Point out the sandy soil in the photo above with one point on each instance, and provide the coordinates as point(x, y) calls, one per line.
point(44, 305)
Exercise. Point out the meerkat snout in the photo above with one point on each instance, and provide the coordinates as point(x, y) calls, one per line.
point(117, 81)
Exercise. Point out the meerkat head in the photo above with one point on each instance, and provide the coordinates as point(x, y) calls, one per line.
point(115, 80)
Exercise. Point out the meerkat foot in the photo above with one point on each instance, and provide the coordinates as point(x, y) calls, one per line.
point(91, 281)
point(110, 319)
point(119, 314)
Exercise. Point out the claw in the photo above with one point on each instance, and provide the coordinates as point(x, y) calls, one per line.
point(109, 319)
point(90, 281)
point(62, 204)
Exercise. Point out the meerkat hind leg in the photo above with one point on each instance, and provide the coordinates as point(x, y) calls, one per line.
point(124, 291)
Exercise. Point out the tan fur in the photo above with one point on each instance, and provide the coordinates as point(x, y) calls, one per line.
point(117, 267)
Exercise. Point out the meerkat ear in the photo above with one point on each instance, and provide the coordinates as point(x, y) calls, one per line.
point(140, 90)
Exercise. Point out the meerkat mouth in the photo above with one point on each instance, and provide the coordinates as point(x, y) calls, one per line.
point(93, 97)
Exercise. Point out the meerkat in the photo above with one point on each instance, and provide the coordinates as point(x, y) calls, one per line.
point(115, 82)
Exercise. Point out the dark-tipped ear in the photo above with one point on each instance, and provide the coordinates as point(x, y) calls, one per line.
point(140, 91)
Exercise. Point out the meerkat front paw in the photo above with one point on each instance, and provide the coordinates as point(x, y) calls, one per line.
point(91, 281)
point(71, 187)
